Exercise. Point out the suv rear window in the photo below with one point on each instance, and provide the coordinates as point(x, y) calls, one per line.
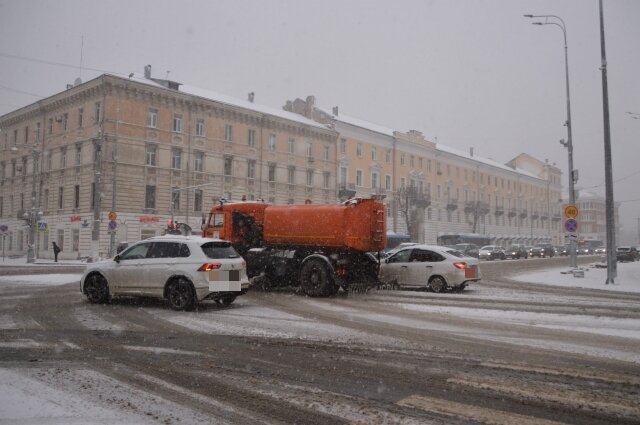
point(218, 250)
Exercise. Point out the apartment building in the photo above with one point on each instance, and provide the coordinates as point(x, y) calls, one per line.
point(114, 159)
point(437, 193)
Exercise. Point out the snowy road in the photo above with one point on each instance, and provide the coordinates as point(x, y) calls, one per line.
point(501, 352)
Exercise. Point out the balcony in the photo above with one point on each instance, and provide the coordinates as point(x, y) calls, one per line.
point(346, 190)
point(534, 215)
point(499, 211)
point(452, 204)
point(555, 217)
point(523, 214)
point(512, 212)
point(544, 216)
point(476, 207)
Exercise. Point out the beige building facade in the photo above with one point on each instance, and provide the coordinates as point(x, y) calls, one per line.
point(450, 193)
point(114, 159)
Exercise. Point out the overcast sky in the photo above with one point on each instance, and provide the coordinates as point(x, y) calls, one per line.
point(470, 73)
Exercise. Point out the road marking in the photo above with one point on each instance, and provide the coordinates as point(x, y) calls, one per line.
point(474, 413)
point(574, 373)
point(579, 400)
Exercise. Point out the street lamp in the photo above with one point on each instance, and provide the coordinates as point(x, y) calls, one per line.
point(557, 21)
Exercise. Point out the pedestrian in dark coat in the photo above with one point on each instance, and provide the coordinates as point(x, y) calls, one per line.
point(56, 251)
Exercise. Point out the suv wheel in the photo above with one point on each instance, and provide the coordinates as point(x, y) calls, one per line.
point(180, 294)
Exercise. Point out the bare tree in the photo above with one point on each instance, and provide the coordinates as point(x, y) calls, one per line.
point(411, 204)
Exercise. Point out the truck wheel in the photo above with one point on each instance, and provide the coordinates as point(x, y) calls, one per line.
point(316, 279)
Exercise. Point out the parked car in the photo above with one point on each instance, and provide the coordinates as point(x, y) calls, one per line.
point(627, 253)
point(491, 252)
point(181, 269)
point(516, 252)
point(428, 266)
point(468, 249)
point(601, 250)
point(542, 250)
point(584, 250)
point(563, 251)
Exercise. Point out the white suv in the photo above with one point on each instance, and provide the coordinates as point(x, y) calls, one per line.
point(181, 269)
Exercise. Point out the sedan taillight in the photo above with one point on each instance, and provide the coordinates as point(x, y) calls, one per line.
point(460, 266)
point(209, 266)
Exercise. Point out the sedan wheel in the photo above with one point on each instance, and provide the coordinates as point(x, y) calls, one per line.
point(180, 295)
point(96, 289)
point(437, 284)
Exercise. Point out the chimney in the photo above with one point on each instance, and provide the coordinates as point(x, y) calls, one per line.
point(335, 111)
point(471, 152)
point(251, 96)
point(147, 72)
point(310, 105)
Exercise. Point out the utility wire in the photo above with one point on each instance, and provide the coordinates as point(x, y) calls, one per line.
point(20, 91)
point(66, 65)
point(615, 181)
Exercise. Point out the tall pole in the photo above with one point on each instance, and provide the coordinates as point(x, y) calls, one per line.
point(608, 169)
point(569, 143)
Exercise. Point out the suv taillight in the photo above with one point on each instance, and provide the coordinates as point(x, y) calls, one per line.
point(209, 266)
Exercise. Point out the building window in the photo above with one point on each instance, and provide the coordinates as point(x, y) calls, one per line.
point(309, 150)
point(65, 121)
point(60, 197)
point(358, 177)
point(387, 182)
point(175, 199)
point(251, 138)
point(359, 150)
point(63, 158)
point(197, 200)
point(291, 145)
point(176, 159)
point(343, 145)
point(78, 154)
point(150, 197)
point(26, 135)
point(76, 196)
point(98, 113)
point(343, 176)
point(152, 118)
point(50, 126)
point(325, 153)
point(251, 169)
point(272, 142)
point(45, 203)
point(309, 177)
point(177, 123)
point(200, 127)
point(387, 156)
point(411, 161)
point(228, 165)
point(326, 179)
point(75, 240)
point(198, 161)
point(152, 151)
point(420, 164)
point(80, 117)
point(272, 172)
point(402, 160)
point(291, 175)
point(228, 133)
point(374, 180)
point(374, 153)
point(402, 184)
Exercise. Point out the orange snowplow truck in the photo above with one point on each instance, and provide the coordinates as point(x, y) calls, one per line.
point(319, 248)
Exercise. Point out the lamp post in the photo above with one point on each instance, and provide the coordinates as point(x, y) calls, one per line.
point(557, 21)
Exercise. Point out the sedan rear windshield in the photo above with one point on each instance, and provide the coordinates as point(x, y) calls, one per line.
point(218, 250)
